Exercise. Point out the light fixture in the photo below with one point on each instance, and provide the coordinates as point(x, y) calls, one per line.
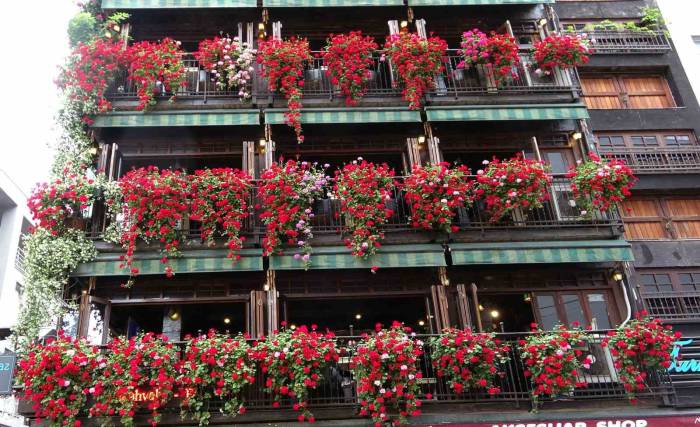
point(421, 139)
point(481, 307)
point(266, 287)
point(495, 314)
point(261, 26)
point(404, 24)
point(576, 136)
point(542, 22)
point(527, 298)
point(421, 323)
point(173, 313)
point(292, 326)
point(227, 320)
point(92, 150)
point(358, 316)
point(262, 143)
point(617, 276)
point(116, 28)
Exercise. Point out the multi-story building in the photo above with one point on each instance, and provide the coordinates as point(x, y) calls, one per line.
point(547, 266)
point(643, 110)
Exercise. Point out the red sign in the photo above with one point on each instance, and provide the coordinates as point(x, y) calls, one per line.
point(685, 421)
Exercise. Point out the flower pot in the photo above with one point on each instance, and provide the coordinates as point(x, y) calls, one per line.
point(486, 78)
point(518, 216)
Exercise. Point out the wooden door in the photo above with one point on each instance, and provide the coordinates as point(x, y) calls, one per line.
point(601, 92)
point(644, 220)
point(686, 217)
point(647, 92)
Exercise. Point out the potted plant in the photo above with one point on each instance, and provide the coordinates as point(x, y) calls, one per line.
point(229, 62)
point(560, 51)
point(349, 61)
point(599, 184)
point(495, 55)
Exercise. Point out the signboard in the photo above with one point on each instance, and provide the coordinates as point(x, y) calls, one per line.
point(7, 369)
point(686, 421)
point(685, 361)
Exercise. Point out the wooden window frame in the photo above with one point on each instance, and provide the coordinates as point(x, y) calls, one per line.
point(673, 273)
point(583, 299)
point(623, 92)
point(660, 137)
point(669, 221)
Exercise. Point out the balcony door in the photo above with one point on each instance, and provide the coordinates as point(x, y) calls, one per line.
point(587, 308)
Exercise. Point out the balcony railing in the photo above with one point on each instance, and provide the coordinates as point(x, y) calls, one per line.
point(626, 41)
point(560, 211)
point(651, 160)
point(337, 388)
point(454, 81)
point(673, 306)
point(19, 260)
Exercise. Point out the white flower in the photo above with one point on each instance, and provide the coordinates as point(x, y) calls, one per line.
point(91, 390)
point(485, 162)
point(404, 367)
point(518, 180)
point(560, 352)
point(443, 201)
point(385, 356)
point(286, 349)
point(411, 376)
point(377, 383)
point(382, 391)
point(479, 172)
point(66, 383)
point(277, 354)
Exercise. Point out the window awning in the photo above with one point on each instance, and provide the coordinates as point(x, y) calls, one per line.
point(541, 252)
point(339, 257)
point(176, 4)
point(507, 112)
point(195, 261)
point(347, 115)
point(472, 2)
point(330, 3)
point(179, 118)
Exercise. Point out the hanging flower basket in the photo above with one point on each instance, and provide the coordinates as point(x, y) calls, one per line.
point(599, 184)
point(349, 61)
point(560, 50)
point(498, 53)
point(229, 62)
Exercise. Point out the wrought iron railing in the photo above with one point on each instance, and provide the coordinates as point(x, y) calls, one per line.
point(627, 41)
point(19, 260)
point(560, 211)
point(673, 306)
point(651, 160)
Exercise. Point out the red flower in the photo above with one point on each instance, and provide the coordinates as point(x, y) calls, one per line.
point(498, 52)
point(229, 62)
point(560, 50)
point(599, 184)
point(349, 61)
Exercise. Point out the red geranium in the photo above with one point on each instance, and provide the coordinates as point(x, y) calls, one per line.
point(385, 367)
point(643, 343)
point(283, 66)
point(154, 203)
point(599, 184)
point(57, 378)
point(142, 364)
point(512, 184)
point(417, 60)
point(294, 362)
point(287, 193)
point(156, 68)
point(434, 192)
point(364, 190)
point(468, 360)
point(560, 50)
point(219, 199)
point(349, 61)
point(498, 52)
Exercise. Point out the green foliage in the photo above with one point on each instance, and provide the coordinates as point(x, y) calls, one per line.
point(651, 21)
point(81, 28)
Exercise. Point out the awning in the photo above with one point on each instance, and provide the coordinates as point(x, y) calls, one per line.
point(507, 112)
point(347, 115)
point(473, 2)
point(541, 252)
point(339, 257)
point(330, 3)
point(178, 118)
point(175, 4)
point(195, 261)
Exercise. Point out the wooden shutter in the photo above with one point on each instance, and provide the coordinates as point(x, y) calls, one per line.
point(644, 220)
point(685, 217)
point(647, 92)
point(420, 28)
point(601, 92)
point(463, 310)
point(257, 313)
point(249, 158)
point(435, 156)
point(413, 152)
point(269, 154)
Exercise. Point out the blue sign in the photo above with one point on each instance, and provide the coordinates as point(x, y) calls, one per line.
point(681, 366)
point(7, 370)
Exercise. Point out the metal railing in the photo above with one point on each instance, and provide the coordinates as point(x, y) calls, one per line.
point(673, 306)
point(19, 260)
point(657, 160)
point(453, 81)
point(560, 211)
point(627, 41)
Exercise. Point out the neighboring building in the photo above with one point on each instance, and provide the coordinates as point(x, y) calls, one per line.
point(643, 110)
point(15, 220)
point(680, 19)
point(549, 265)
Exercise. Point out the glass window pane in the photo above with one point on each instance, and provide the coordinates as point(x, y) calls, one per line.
point(599, 311)
point(663, 282)
point(670, 140)
point(558, 162)
point(617, 141)
point(637, 141)
point(604, 141)
point(650, 140)
point(683, 140)
point(547, 311)
point(574, 310)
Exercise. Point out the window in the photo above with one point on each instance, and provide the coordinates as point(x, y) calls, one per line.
point(587, 308)
point(665, 139)
point(613, 91)
point(659, 219)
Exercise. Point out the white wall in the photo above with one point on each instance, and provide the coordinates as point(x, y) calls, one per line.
point(682, 21)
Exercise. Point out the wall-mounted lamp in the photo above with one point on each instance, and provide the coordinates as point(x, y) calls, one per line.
point(404, 26)
point(421, 139)
point(266, 287)
point(527, 297)
point(421, 323)
point(617, 276)
point(358, 316)
point(173, 313)
point(542, 22)
point(227, 320)
point(292, 326)
point(495, 314)
point(481, 307)
point(577, 136)
point(262, 143)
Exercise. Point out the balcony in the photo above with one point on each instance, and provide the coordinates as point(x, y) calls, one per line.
point(336, 396)
point(673, 306)
point(454, 86)
point(626, 41)
point(656, 160)
point(559, 219)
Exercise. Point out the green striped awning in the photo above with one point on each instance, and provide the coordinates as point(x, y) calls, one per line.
point(178, 118)
point(339, 257)
point(175, 4)
point(541, 252)
point(330, 3)
point(507, 112)
point(204, 261)
point(473, 2)
point(347, 115)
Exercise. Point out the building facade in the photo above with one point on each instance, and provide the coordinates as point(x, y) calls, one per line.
point(553, 265)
